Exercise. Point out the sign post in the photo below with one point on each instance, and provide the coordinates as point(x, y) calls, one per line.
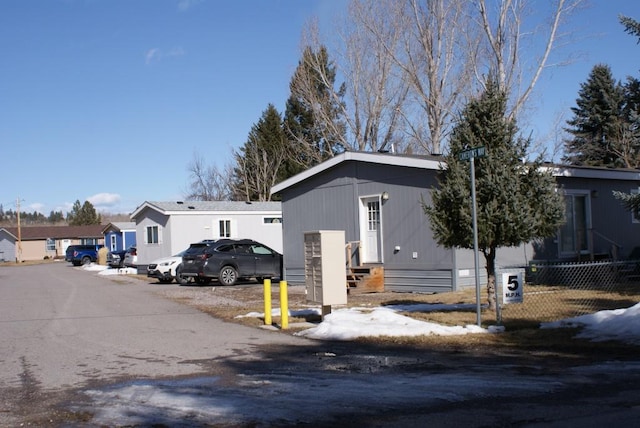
point(470, 155)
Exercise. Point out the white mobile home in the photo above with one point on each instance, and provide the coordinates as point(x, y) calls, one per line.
point(167, 228)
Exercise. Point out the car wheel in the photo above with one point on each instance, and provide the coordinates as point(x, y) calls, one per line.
point(179, 278)
point(228, 275)
point(86, 260)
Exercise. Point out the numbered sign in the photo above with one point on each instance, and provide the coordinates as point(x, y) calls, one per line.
point(512, 288)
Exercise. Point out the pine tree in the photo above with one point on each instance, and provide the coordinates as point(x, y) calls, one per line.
point(631, 26)
point(632, 115)
point(312, 116)
point(597, 121)
point(55, 217)
point(259, 162)
point(84, 214)
point(516, 200)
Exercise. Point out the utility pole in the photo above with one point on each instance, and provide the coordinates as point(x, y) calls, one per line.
point(19, 259)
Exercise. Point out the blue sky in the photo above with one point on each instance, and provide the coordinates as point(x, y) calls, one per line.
point(108, 101)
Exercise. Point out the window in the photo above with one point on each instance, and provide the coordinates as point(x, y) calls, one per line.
point(51, 244)
point(259, 249)
point(225, 229)
point(573, 236)
point(152, 236)
point(89, 241)
point(113, 242)
point(225, 248)
point(373, 213)
point(272, 220)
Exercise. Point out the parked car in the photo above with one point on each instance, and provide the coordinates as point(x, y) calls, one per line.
point(131, 257)
point(115, 259)
point(82, 254)
point(166, 269)
point(229, 260)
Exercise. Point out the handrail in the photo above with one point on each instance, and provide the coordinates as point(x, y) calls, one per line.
point(609, 240)
point(348, 249)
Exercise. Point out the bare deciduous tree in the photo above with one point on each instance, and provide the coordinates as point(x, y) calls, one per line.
point(208, 183)
point(436, 55)
point(375, 89)
point(257, 172)
point(511, 41)
point(409, 65)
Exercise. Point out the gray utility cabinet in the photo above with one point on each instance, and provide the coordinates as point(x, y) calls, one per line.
point(325, 268)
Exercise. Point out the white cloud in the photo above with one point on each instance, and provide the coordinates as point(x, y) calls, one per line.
point(156, 54)
point(104, 200)
point(36, 207)
point(151, 55)
point(65, 207)
point(184, 5)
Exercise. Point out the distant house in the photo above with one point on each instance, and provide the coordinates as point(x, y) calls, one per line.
point(40, 242)
point(377, 200)
point(119, 236)
point(166, 228)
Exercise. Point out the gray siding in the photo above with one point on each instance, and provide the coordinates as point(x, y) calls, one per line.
point(612, 227)
point(330, 201)
point(7, 247)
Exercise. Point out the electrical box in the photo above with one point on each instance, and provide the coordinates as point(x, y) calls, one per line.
point(325, 268)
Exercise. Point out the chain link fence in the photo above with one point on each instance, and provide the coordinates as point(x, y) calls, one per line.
point(554, 291)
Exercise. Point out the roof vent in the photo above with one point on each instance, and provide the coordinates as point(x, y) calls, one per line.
point(247, 202)
point(179, 202)
point(191, 207)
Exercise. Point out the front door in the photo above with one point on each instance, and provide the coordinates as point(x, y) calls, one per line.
point(370, 230)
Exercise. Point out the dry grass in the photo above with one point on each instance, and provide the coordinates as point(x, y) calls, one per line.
point(521, 321)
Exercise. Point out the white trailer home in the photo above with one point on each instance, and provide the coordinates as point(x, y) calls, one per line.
point(167, 228)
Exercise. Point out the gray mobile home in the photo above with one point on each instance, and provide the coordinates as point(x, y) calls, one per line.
point(376, 198)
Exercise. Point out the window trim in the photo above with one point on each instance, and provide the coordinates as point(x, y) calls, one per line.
point(227, 225)
point(147, 236)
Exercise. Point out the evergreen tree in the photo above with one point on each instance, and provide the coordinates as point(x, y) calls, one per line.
point(55, 217)
point(84, 214)
point(632, 112)
point(516, 201)
point(597, 122)
point(259, 162)
point(631, 26)
point(312, 114)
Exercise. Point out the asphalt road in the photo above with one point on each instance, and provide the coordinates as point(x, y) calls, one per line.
point(63, 328)
point(79, 350)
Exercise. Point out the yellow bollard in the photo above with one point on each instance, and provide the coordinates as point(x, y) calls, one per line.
point(284, 305)
point(267, 301)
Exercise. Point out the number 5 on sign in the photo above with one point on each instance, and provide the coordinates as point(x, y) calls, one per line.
point(512, 288)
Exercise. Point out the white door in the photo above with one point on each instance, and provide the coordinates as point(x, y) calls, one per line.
point(370, 230)
point(65, 245)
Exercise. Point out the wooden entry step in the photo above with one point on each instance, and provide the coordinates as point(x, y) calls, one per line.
point(365, 279)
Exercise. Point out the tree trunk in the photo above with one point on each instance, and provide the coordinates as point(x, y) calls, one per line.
point(490, 262)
